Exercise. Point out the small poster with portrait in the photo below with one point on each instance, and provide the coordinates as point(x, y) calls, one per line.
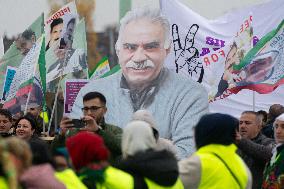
point(64, 54)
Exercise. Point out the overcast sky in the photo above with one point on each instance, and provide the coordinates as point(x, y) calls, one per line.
point(17, 15)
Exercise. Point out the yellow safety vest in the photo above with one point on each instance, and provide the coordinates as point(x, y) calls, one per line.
point(69, 179)
point(115, 179)
point(153, 185)
point(3, 183)
point(214, 174)
point(44, 116)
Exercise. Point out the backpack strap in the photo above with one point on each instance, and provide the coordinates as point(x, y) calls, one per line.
point(233, 175)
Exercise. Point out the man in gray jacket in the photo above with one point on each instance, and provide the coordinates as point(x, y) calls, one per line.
point(176, 102)
point(254, 147)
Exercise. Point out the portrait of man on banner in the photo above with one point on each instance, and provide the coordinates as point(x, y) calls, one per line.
point(56, 28)
point(143, 82)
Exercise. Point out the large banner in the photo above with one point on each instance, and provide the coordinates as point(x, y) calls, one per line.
point(201, 46)
point(65, 47)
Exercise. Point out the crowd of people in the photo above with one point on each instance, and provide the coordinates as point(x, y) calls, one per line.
point(143, 127)
point(230, 153)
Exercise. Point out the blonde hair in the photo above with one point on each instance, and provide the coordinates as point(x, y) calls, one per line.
point(21, 150)
point(7, 166)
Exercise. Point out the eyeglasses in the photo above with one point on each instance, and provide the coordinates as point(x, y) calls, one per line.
point(93, 109)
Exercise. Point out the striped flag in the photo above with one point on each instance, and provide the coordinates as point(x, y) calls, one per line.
point(101, 68)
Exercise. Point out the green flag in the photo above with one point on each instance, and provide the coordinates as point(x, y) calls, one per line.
point(18, 50)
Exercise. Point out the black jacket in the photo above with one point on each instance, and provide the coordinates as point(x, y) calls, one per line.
point(159, 166)
point(256, 153)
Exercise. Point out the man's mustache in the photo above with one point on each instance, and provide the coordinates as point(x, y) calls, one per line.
point(140, 65)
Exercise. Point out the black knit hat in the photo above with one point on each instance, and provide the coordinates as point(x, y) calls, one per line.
point(215, 128)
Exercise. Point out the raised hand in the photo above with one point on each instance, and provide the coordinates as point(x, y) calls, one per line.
point(91, 124)
point(188, 54)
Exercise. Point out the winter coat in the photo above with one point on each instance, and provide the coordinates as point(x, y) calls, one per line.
point(274, 171)
point(256, 153)
point(159, 167)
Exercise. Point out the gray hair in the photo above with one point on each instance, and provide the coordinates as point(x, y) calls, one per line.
point(258, 117)
point(153, 15)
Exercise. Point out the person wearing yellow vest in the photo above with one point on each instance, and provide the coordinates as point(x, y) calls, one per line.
point(69, 179)
point(216, 164)
point(44, 116)
point(89, 157)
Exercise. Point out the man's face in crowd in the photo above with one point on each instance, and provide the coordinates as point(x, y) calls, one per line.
point(96, 109)
point(279, 131)
point(16, 117)
point(141, 53)
point(249, 126)
point(35, 111)
point(56, 32)
point(5, 124)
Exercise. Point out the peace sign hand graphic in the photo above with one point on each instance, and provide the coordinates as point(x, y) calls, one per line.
point(187, 55)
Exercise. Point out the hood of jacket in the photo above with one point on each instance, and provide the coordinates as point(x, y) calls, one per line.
point(158, 166)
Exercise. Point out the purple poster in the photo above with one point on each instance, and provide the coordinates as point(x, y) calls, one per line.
point(72, 88)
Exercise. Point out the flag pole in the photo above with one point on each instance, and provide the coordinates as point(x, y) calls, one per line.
point(53, 108)
point(28, 99)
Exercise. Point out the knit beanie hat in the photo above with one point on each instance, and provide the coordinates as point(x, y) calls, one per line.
point(85, 148)
point(215, 128)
